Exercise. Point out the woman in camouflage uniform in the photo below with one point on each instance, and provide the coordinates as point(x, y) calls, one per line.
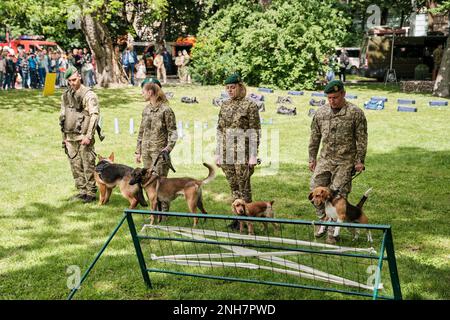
point(158, 130)
point(238, 132)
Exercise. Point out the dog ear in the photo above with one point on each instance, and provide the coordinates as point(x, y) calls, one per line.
point(310, 197)
point(271, 202)
point(111, 156)
point(100, 158)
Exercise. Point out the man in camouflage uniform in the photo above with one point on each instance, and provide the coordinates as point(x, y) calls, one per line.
point(78, 119)
point(342, 128)
point(238, 135)
point(157, 132)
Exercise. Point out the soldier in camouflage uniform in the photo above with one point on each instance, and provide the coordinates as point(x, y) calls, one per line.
point(238, 134)
point(342, 128)
point(78, 119)
point(158, 130)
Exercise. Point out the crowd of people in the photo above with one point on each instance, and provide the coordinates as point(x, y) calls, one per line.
point(29, 69)
point(161, 60)
point(25, 70)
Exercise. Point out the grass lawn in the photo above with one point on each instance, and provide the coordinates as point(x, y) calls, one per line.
point(42, 234)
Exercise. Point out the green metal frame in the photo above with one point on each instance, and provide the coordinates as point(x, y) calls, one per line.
point(387, 245)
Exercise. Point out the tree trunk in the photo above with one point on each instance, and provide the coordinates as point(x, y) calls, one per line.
point(384, 16)
point(442, 84)
point(97, 36)
point(161, 36)
point(430, 4)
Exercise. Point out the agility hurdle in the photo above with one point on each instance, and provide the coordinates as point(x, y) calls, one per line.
point(286, 256)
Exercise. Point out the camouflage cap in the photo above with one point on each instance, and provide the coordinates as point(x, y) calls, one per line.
point(234, 78)
point(69, 72)
point(334, 86)
point(150, 80)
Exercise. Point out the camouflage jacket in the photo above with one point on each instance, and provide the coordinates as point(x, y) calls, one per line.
point(158, 129)
point(80, 107)
point(343, 135)
point(238, 130)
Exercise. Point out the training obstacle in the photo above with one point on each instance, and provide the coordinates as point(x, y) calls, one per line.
point(374, 105)
point(406, 109)
point(438, 103)
point(317, 103)
point(384, 99)
point(351, 96)
point(296, 93)
point(406, 101)
point(286, 256)
point(256, 97)
point(265, 90)
point(318, 94)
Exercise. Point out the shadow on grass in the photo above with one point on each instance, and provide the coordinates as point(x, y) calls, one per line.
point(28, 100)
point(410, 192)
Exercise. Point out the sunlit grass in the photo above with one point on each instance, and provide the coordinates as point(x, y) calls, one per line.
point(41, 233)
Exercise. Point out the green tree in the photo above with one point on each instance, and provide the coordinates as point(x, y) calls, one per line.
point(280, 44)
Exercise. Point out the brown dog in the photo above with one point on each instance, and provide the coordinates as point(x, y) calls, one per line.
point(108, 175)
point(260, 209)
point(337, 208)
point(167, 189)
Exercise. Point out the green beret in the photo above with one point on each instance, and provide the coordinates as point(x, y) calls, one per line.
point(69, 72)
point(334, 86)
point(150, 80)
point(234, 78)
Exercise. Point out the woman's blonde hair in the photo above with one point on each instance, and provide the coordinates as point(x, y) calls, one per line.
point(157, 91)
point(241, 90)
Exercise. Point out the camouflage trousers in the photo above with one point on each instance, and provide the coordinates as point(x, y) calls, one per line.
point(334, 176)
point(238, 176)
point(82, 163)
point(161, 168)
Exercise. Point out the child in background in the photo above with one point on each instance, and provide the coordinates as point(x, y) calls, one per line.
point(141, 73)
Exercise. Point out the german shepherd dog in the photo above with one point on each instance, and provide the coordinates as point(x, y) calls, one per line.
point(167, 189)
point(108, 175)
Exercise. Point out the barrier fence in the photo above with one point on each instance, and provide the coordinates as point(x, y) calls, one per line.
point(283, 254)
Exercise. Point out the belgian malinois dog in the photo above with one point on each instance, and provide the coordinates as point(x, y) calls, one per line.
point(108, 175)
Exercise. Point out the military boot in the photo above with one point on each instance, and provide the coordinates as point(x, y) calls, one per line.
point(88, 199)
point(77, 197)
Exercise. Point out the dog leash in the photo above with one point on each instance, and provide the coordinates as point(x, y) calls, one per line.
point(247, 172)
point(166, 156)
point(353, 178)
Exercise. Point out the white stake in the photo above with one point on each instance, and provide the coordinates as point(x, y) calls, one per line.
point(131, 126)
point(116, 125)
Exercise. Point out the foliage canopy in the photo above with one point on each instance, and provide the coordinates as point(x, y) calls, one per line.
point(282, 45)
